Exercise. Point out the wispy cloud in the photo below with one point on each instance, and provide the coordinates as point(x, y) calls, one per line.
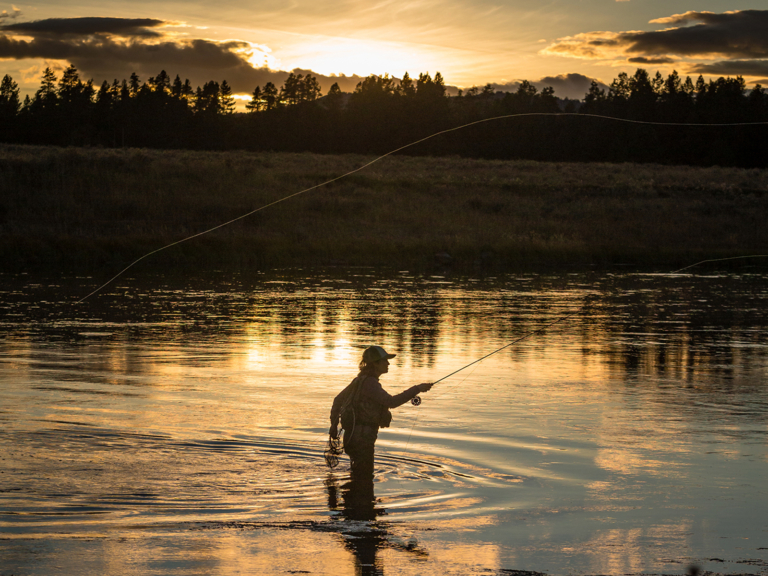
point(589, 46)
point(14, 13)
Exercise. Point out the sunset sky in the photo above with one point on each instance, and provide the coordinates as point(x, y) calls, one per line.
point(563, 43)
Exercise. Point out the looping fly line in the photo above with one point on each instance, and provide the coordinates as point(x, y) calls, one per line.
point(396, 150)
point(417, 400)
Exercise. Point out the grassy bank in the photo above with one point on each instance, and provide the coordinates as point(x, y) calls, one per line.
point(91, 209)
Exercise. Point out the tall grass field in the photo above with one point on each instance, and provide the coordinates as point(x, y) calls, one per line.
point(81, 209)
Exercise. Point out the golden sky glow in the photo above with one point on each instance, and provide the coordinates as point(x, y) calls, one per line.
point(560, 43)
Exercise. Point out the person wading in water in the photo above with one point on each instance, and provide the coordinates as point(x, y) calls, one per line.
point(363, 408)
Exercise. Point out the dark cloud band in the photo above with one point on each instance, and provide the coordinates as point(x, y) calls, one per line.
point(655, 60)
point(733, 68)
point(57, 27)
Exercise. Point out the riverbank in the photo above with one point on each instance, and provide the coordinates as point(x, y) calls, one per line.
point(75, 209)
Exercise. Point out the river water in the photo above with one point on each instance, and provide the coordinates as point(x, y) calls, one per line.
point(177, 426)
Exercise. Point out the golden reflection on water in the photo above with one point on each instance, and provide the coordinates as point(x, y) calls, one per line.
point(598, 445)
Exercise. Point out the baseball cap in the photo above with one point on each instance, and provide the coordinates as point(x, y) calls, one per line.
point(376, 353)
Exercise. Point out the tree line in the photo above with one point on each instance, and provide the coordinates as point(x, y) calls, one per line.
point(384, 113)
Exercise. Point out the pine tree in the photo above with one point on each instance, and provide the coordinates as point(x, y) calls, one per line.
point(757, 101)
point(125, 91)
point(176, 87)
point(439, 84)
point(271, 96)
point(9, 98)
point(642, 100)
point(70, 85)
point(423, 83)
point(594, 100)
point(375, 87)
point(335, 98)
point(701, 86)
point(134, 83)
point(161, 82)
point(226, 100)
point(310, 89)
point(256, 103)
point(688, 87)
point(658, 83)
point(406, 87)
point(208, 100)
point(619, 89)
point(104, 95)
point(428, 89)
point(105, 99)
point(289, 93)
point(46, 94)
point(546, 101)
point(186, 91)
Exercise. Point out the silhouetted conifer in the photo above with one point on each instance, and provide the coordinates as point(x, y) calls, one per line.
point(9, 98)
point(256, 104)
point(271, 96)
point(46, 95)
point(134, 84)
point(594, 100)
point(406, 87)
point(383, 113)
point(227, 101)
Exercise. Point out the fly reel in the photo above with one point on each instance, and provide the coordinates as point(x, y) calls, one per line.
point(416, 400)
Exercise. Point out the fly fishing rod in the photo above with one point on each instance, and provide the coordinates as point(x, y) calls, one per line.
point(416, 400)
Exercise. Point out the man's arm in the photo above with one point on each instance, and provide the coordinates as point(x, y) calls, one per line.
point(373, 390)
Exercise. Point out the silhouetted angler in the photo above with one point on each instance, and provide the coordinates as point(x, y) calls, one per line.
point(363, 408)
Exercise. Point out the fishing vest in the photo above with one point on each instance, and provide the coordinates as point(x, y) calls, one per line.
point(359, 410)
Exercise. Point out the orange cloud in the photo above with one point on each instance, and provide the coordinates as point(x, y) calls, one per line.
point(736, 35)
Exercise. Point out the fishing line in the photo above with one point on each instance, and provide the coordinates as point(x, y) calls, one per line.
point(414, 143)
point(543, 328)
point(720, 260)
point(476, 362)
point(528, 334)
point(418, 413)
point(577, 311)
